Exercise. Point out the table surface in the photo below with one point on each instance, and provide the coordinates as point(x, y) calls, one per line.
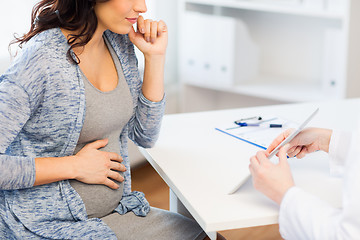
point(198, 163)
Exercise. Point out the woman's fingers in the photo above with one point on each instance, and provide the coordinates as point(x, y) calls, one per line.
point(150, 29)
point(115, 162)
point(115, 157)
point(147, 30)
point(111, 184)
point(161, 28)
point(153, 31)
point(117, 166)
point(141, 24)
point(98, 144)
point(115, 175)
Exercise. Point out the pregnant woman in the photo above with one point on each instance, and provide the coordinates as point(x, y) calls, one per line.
point(68, 103)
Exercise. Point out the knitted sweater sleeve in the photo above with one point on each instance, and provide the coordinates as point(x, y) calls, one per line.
point(16, 172)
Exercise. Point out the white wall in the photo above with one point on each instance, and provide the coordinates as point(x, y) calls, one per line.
point(15, 17)
point(166, 10)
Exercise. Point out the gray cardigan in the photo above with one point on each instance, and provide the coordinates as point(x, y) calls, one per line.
point(42, 109)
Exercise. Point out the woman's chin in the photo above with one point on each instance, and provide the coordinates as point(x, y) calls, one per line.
point(121, 29)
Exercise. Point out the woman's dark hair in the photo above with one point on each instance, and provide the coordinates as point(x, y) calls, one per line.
point(73, 15)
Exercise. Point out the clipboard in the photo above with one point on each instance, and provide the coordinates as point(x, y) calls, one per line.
point(261, 136)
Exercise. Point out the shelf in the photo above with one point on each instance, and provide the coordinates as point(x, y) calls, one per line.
point(286, 8)
point(311, 47)
point(287, 92)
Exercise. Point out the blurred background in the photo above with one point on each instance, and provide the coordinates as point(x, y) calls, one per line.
point(242, 53)
point(237, 53)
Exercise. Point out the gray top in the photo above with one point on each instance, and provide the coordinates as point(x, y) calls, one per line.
point(106, 115)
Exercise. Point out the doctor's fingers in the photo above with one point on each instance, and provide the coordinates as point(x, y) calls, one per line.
point(294, 151)
point(283, 154)
point(279, 139)
point(254, 163)
point(302, 153)
point(262, 157)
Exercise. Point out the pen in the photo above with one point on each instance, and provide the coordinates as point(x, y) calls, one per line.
point(249, 118)
point(259, 125)
point(244, 124)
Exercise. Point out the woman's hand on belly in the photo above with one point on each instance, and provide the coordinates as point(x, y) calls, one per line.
point(93, 166)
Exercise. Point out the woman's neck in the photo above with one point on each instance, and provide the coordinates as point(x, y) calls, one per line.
point(94, 45)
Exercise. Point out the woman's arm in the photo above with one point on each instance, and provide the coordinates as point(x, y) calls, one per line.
point(89, 165)
point(16, 172)
point(151, 39)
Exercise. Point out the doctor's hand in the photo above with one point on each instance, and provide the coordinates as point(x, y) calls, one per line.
point(94, 166)
point(151, 37)
point(307, 141)
point(273, 180)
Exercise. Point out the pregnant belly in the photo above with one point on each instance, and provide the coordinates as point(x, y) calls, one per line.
point(99, 200)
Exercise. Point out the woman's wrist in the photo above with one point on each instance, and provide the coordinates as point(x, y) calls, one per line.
point(73, 169)
point(160, 58)
point(54, 169)
point(153, 83)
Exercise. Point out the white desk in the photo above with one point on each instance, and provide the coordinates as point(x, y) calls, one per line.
point(196, 161)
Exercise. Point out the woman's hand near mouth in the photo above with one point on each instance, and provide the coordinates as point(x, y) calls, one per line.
point(151, 36)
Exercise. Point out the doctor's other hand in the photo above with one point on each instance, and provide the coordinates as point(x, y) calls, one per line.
point(151, 37)
point(307, 141)
point(94, 166)
point(273, 180)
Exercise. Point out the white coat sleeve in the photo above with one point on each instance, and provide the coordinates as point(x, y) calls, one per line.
point(338, 151)
point(304, 216)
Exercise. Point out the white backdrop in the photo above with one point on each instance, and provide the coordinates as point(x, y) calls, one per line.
point(15, 17)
